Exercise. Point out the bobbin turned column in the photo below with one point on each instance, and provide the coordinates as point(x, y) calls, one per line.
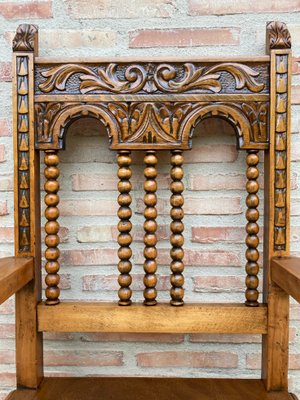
point(124, 227)
point(150, 227)
point(252, 229)
point(52, 252)
point(177, 227)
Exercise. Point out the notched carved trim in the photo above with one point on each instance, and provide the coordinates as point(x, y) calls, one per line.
point(278, 35)
point(150, 78)
point(25, 37)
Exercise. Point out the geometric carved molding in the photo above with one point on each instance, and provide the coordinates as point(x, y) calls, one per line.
point(23, 154)
point(278, 35)
point(25, 38)
point(152, 125)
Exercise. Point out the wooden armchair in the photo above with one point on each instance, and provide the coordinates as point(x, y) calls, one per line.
point(151, 105)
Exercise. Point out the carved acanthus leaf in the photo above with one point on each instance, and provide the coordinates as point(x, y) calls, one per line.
point(278, 35)
point(25, 37)
point(105, 78)
point(205, 78)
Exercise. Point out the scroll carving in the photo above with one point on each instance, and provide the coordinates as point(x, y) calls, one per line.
point(278, 35)
point(25, 38)
point(23, 154)
point(151, 78)
point(154, 124)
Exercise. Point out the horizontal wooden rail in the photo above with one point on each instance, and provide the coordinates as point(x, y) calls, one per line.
point(286, 274)
point(162, 318)
point(15, 273)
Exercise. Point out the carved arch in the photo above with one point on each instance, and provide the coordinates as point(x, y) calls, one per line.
point(53, 120)
point(231, 113)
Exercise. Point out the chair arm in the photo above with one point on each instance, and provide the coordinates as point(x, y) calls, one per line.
point(15, 273)
point(285, 272)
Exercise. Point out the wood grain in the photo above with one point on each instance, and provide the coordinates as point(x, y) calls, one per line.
point(126, 388)
point(163, 318)
point(286, 274)
point(15, 273)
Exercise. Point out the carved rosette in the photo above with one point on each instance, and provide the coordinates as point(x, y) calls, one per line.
point(23, 154)
point(281, 143)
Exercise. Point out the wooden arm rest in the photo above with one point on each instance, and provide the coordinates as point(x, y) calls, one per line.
point(15, 272)
point(286, 274)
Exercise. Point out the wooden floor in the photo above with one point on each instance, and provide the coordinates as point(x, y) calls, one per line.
point(149, 389)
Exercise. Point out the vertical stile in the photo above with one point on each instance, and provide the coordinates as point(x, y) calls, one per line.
point(150, 227)
point(252, 229)
point(124, 227)
point(177, 227)
point(52, 253)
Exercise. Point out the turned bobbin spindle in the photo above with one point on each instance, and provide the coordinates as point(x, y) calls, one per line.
point(124, 227)
point(177, 227)
point(252, 229)
point(150, 227)
point(52, 253)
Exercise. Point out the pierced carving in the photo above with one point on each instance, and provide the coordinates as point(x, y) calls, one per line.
point(156, 124)
point(25, 37)
point(23, 155)
point(151, 78)
point(281, 152)
point(278, 35)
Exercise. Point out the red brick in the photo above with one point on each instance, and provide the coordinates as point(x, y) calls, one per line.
point(197, 258)
point(184, 37)
point(224, 338)
point(253, 361)
point(92, 9)
point(5, 127)
point(7, 235)
point(59, 336)
point(109, 181)
point(223, 7)
point(187, 359)
point(64, 284)
point(296, 66)
point(296, 94)
point(26, 9)
point(2, 153)
point(88, 207)
point(199, 205)
point(7, 356)
point(162, 233)
point(5, 67)
point(7, 379)
point(3, 208)
point(219, 284)
point(6, 183)
point(110, 283)
point(83, 358)
point(295, 312)
point(89, 257)
point(215, 234)
point(132, 337)
point(8, 307)
point(7, 331)
point(211, 154)
point(227, 181)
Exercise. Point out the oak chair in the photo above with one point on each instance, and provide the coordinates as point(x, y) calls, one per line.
point(151, 105)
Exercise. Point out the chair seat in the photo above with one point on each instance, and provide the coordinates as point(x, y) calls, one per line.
point(149, 388)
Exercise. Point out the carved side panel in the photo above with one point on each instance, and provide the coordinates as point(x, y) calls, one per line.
point(152, 125)
point(281, 143)
point(23, 154)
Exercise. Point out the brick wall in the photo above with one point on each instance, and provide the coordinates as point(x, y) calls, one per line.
point(214, 180)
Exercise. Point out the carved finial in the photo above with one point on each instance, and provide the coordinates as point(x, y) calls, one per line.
point(25, 38)
point(278, 35)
